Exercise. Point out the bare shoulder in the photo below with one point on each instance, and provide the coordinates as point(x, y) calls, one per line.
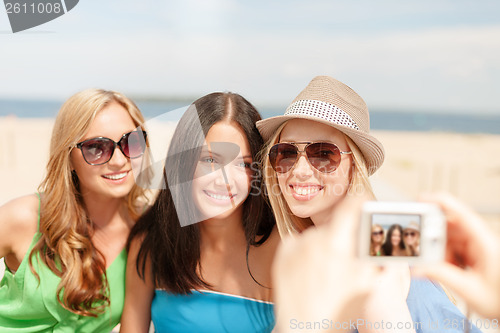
point(135, 246)
point(261, 259)
point(274, 240)
point(267, 250)
point(20, 213)
point(134, 266)
point(18, 220)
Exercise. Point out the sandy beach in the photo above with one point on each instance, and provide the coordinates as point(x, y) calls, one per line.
point(465, 165)
point(416, 162)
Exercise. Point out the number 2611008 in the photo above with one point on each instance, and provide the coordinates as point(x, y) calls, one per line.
point(39, 8)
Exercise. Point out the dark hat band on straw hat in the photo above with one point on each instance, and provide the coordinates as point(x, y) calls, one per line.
point(333, 103)
point(412, 226)
point(319, 109)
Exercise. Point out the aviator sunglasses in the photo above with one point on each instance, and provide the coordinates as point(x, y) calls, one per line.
point(323, 156)
point(97, 151)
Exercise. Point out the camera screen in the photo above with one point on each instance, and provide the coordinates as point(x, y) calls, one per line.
point(395, 235)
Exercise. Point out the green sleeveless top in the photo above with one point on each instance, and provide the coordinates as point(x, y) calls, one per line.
point(29, 306)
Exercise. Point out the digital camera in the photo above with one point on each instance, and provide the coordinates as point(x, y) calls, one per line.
point(414, 232)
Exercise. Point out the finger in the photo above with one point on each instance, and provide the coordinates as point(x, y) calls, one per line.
point(344, 227)
point(467, 228)
point(458, 213)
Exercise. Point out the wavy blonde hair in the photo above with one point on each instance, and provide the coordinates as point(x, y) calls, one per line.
point(65, 244)
point(287, 222)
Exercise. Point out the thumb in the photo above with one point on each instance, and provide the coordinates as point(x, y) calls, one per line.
point(346, 220)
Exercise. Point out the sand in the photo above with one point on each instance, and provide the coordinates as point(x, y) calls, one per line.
point(24, 149)
point(467, 166)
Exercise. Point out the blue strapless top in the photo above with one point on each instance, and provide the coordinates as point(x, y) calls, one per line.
point(432, 311)
point(209, 311)
point(431, 308)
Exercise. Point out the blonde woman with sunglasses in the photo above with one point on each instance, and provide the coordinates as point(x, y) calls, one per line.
point(376, 240)
point(411, 238)
point(319, 152)
point(64, 247)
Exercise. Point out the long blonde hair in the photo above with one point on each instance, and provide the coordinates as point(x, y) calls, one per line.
point(372, 246)
point(65, 244)
point(287, 222)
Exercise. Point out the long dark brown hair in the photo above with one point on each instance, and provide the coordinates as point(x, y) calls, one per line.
point(387, 246)
point(173, 250)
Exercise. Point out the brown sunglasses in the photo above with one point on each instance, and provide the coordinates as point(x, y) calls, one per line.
point(323, 156)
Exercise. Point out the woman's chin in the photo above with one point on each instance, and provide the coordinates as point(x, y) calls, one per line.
point(300, 213)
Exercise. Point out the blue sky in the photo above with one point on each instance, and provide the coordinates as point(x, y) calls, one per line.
point(399, 55)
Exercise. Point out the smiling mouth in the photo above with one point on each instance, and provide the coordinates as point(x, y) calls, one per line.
point(306, 190)
point(116, 176)
point(219, 196)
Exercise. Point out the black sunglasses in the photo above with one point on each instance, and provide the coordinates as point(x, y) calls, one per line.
point(323, 156)
point(375, 233)
point(97, 151)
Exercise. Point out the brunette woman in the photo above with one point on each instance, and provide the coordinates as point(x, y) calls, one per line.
point(200, 258)
point(394, 245)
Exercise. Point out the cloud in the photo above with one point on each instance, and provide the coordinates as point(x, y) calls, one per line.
point(196, 53)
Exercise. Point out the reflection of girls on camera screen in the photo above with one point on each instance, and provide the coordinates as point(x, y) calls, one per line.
point(214, 275)
point(411, 238)
point(64, 247)
point(376, 240)
point(394, 245)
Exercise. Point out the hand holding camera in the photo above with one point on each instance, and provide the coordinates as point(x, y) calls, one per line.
point(318, 276)
point(449, 237)
point(472, 266)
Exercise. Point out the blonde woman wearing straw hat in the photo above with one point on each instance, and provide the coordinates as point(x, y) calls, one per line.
point(319, 152)
point(411, 238)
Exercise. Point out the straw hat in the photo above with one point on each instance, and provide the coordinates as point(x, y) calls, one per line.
point(333, 103)
point(412, 226)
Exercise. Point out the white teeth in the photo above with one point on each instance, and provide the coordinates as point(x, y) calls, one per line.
point(116, 177)
point(306, 190)
point(218, 196)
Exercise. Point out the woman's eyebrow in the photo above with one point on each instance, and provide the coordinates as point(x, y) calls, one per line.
point(215, 154)
point(243, 158)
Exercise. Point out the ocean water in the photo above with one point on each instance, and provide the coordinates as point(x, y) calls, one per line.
point(380, 119)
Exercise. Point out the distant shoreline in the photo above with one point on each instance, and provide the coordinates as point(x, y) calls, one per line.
point(380, 120)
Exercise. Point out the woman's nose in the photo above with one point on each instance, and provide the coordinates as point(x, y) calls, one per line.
point(118, 159)
point(224, 177)
point(302, 168)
